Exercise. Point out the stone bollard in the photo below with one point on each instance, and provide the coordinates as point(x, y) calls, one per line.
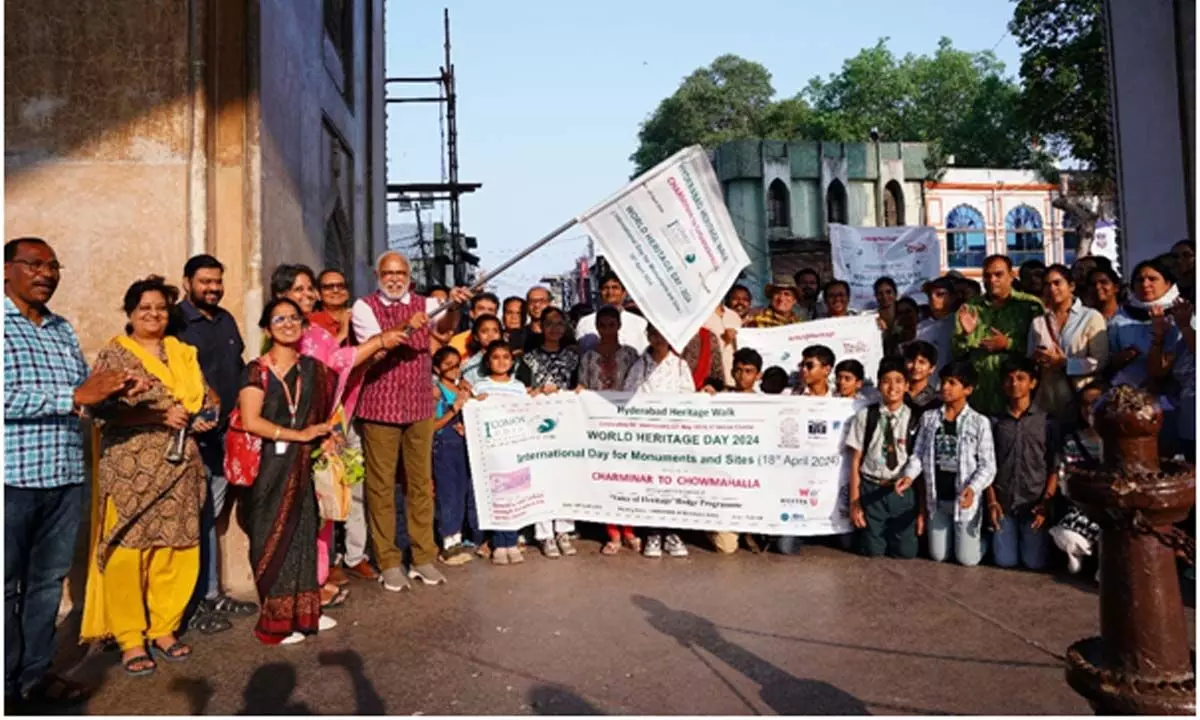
point(1141, 663)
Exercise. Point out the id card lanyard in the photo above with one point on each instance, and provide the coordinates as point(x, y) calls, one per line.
point(293, 403)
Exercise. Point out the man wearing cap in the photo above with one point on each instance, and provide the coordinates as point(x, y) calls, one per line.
point(938, 328)
point(783, 295)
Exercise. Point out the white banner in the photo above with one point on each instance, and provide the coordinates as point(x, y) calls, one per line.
point(850, 338)
point(769, 464)
point(668, 236)
point(862, 255)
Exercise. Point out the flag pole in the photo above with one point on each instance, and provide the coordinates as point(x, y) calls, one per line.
point(537, 245)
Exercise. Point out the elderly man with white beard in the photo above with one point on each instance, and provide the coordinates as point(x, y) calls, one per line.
point(396, 408)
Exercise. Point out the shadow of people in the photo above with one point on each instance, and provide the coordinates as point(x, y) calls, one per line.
point(198, 691)
point(269, 690)
point(558, 700)
point(781, 691)
point(367, 700)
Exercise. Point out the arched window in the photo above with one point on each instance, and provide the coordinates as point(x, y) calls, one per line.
point(893, 204)
point(1070, 239)
point(966, 243)
point(835, 203)
point(1023, 235)
point(778, 205)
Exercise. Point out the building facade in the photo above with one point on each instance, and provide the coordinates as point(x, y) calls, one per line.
point(783, 195)
point(141, 132)
point(980, 212)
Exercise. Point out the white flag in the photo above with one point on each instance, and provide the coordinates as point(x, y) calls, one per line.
point(668, 236)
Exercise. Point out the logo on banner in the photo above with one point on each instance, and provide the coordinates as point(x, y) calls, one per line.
point(789, 433)
point(547, 425)
point(818, 428)
point(511, 482)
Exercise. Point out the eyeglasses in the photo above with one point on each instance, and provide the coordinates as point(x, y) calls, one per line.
point(151, 310)
point(37, 267)
point(810, 365)
point(393, 273)
point(334, 286)
point(281, 320)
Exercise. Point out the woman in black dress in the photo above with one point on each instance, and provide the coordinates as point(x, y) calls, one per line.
point(286, 400)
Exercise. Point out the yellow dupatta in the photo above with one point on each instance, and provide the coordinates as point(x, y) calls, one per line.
point(183, 379)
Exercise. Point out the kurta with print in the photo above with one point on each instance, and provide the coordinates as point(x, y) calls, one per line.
point(157, 503)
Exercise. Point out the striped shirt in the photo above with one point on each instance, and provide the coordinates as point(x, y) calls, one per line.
point(43, 365)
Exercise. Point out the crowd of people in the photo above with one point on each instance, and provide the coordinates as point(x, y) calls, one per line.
point(984, 396)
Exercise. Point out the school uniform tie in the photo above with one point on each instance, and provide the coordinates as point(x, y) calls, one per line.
point(891, 457)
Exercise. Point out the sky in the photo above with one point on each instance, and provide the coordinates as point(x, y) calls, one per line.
point(551, 93)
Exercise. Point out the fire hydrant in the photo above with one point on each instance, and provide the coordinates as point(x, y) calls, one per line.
point(1141, 664)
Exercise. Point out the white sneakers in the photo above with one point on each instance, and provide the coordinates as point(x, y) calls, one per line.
point(324, 624)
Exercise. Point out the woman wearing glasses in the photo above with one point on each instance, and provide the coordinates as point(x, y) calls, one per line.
point(334, 315)
point(286, 400)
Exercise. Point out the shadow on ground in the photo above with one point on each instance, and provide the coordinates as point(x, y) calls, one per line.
point(559, 700)
point(783, 692)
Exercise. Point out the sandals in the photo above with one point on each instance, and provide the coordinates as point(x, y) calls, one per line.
point(140, 665)
point(57, 690)
point(331, 599)
point(209, 623)
point(178, 651)
point(612, 547)
point(633, 542)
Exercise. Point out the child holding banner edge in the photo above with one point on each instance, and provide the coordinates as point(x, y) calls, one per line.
point(881, 436)
point(661, 370)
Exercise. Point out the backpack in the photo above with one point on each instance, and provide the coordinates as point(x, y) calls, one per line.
point(243, 450)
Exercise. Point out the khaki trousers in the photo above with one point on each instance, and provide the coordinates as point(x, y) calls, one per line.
point(725, 543)
point(383, 448)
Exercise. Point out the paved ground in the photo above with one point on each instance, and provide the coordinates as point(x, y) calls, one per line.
point(824, 632)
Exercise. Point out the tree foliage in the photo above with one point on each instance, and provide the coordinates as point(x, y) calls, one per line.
point(730, 99)
point(959, 101)
point(1064, 72)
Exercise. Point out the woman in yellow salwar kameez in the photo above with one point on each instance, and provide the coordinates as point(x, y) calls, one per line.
point(145, 558)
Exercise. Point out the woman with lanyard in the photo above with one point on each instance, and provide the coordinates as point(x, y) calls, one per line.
point(1069, 342)
point(296, 283)
point(286, 400)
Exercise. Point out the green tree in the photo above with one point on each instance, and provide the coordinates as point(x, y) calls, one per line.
point(1064, 70)
point(731, 99)
point(959, 101)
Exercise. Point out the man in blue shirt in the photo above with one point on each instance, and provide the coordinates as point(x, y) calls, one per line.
point(214, 334)
point(47, 391)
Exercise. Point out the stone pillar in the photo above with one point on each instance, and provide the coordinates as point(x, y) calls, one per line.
point(1151, 51)
point(1141, 663)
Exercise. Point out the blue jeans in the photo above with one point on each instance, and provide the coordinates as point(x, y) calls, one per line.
point(788, 544)
point(455, 496)
point(1017, 540)
point(40, 527)
point(504, 539)
point(946, 535)
point(209, 582)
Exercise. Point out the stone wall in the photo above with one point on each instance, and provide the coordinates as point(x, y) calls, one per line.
point(97, 145)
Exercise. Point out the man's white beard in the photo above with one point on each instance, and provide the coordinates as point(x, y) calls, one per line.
point(383, 291)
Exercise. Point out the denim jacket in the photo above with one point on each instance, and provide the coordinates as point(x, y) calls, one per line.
point(976, 458)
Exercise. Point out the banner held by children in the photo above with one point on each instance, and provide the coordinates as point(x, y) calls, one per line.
point(850, 338)
point(745, 463)
point(669, 237)
point(861, 255)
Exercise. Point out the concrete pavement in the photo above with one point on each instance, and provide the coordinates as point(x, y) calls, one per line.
point(824, 632)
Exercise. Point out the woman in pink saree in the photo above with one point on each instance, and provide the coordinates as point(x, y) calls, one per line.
point(298, 283)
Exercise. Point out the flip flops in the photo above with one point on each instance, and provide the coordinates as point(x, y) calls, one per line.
point(178, 652)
